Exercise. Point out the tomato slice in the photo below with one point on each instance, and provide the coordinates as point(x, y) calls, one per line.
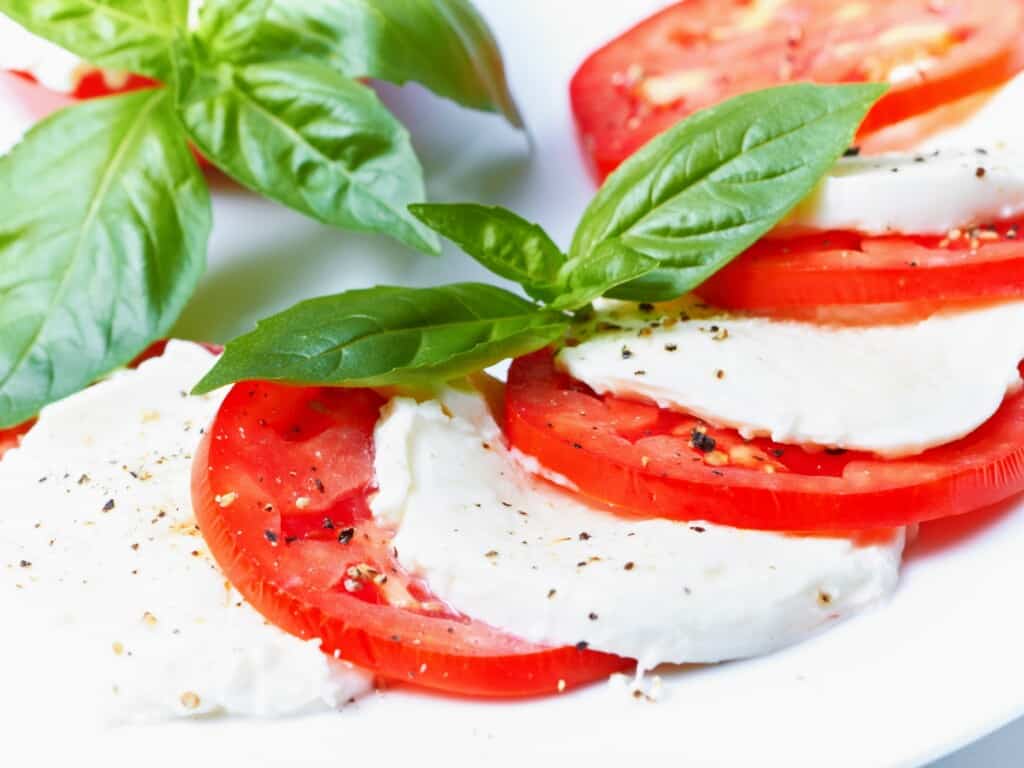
point(697, 53)
point(280, 488)
point(659, 463)
point(919, 273)
point(11, 438)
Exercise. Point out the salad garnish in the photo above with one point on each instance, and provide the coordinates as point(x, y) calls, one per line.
point(105, 231)
point(673, 214)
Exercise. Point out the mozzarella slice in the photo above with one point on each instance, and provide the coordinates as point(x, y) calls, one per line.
point(509, 549)
point(893, 390)
point(969, 175)
point(921, 193)
point(995, 125)
point(102, 563)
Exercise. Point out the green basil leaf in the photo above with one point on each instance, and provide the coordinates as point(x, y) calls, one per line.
point(310, 138)
point(127, 35)
point(388, 336)
point(505, 243)
point(706, 190)
point(443, 44)
point(583, 279)
point(102, 241)
point(228, 27)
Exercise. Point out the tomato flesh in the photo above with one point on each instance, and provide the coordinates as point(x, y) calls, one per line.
point(697, 53)
point(280, 489)
point(671, 465)
point(921, 273)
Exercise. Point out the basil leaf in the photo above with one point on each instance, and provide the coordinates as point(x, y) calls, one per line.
point(310, 138)
point(127, 35)
point(102, 241)
point(706, 190)
point(228, 27)
point(442, 44)
point(387, 336)
point(505, 243)
point(583, 279)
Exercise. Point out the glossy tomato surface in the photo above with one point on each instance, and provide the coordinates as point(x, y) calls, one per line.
point(643, 461)
point(697, 53)
point(917, 274)
point(280, 490)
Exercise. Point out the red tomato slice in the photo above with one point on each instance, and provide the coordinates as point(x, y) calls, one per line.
point(280, 489)
point(919, 273)
point(658, 463)
point(11, 438)
point(699, 52)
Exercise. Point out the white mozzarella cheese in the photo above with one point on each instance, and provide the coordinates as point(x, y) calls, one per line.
point(919, 193)
point(892, 389)
point(969, 175)
point(511, 550)
point(996, 124)
point(100, 556)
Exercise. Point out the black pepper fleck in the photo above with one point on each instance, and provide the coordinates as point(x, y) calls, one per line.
point(702, 441)
point(345, 535)
point(109, 505)
point(270, 536)
point(592, 616)
point(327, 524)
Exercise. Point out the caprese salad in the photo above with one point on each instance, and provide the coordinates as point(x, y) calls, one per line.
point(762, 362)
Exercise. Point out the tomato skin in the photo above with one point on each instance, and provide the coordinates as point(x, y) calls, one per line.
point(11, 438)
point(662, 474)
point(804, 40)
point(844, 269)
point(261, 431)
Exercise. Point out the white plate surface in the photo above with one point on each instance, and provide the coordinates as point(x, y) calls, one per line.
point(934, 668)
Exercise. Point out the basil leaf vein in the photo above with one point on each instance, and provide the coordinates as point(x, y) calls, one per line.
point(310, 138)
point(102, 242)
point(443, 44)
point(502, 241)
point(230, 29)
point(701, 193)
point(388, 335)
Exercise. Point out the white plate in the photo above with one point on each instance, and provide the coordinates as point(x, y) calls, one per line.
point(936, 667)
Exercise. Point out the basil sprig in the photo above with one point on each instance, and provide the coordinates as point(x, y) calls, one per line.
point(676, 212)
point(388, 335)
point(106, 217)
